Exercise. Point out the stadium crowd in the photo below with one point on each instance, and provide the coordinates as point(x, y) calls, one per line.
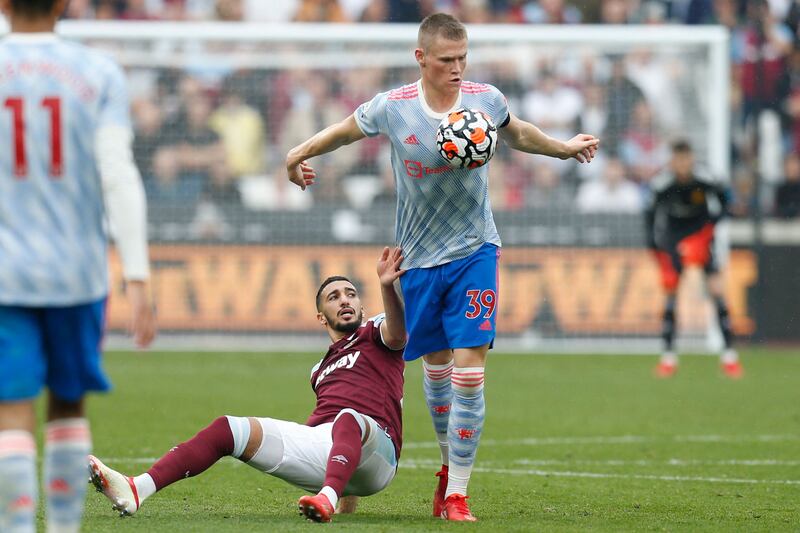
point(202, 138)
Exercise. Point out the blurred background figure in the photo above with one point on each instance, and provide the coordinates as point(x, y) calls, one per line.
point(612, 193)
point(681, 221)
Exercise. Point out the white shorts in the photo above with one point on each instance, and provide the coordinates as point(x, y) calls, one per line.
point(298, 454)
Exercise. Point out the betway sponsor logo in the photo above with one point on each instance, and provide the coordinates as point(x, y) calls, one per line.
point(346, 361)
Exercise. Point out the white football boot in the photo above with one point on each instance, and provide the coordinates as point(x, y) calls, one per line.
point(115, 486)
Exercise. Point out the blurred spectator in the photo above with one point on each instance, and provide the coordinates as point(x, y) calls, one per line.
point(642, 148)
point(474, 12)
point(615, 12)
point(192, 160)
point(410, 10)
point(787, 195)
point(320, 11)
point(550, 12)
point(229, 10)
point(241, 129)
point(375, 11)
point(262, 11)
point(136, 10)
point(742, 202)
point(313, 108)
point(767, 43)
point(656, 75)
point(508, 180)
point(622, 97)
point(792, 103)
point(80, 9)
point(547, 191)
point(148, 122)
point(554, 107)
point(613, 193)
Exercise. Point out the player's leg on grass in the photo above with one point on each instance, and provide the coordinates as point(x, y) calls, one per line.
point(465, 428)
point(72, 339)
point(348, 434)
point(437, 369)
point(671, 268)
point(68, 442)
point(18, 483)
point(729, 358)
point(224, 436)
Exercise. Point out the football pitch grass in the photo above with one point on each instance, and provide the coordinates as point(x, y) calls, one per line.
point(571, 443)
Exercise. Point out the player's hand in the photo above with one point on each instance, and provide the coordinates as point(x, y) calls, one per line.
point(301, 174)
point(389, 266)
point(143, 316)
point(582, 147)
point(347, 504)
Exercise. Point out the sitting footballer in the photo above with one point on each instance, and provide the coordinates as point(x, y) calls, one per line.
point(350, 444)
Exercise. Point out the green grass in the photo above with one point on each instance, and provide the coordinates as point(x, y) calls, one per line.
point(571, 443)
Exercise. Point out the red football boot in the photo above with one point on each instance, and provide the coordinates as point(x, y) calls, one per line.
point(457, 510)
point(665, 370)
point(733, 370)
point(317, 508)
point(441, 488)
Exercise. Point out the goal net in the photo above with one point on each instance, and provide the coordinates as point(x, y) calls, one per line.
point(238, 252)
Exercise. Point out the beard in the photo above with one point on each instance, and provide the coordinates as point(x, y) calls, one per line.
point(346, 327)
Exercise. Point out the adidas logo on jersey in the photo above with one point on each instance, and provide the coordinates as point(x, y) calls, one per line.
point(411, 139)
point(486, 326)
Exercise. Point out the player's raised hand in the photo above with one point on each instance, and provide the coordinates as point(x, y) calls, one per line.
point(301, 174)
point(143, 317)
point(389, 265)
point(582, 147)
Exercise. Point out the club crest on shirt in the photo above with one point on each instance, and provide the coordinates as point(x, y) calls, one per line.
point(346, 361)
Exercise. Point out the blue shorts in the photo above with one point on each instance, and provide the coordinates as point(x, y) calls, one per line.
point(452, 305)
point(54, 346)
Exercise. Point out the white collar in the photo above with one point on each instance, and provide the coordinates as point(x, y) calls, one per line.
point(430, 112)
point(31, 37)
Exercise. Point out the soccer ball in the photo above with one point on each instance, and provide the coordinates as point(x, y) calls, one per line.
point(466, 138)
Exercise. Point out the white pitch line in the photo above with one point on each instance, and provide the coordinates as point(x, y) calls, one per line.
point(627, 462)
point(621, 439)
point(600, 475)
point(416, 465)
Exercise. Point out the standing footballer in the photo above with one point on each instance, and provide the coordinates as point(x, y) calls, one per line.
point(65, 163)
point(446, 230)
point(681, 219)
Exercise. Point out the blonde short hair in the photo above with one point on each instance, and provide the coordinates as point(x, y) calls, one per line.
point(442, 24)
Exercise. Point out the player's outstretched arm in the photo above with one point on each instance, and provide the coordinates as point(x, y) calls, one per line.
point(526, 137)
point(337, 135)
point(393, 327)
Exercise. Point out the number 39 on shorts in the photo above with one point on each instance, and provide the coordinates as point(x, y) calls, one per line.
point(480, 303)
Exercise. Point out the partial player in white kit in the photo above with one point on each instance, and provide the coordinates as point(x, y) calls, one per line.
point(445, 227)
point(350, 444)
point(65, 164)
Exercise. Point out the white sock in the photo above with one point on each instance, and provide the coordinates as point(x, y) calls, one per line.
point(18, 484)
point(466, 425)
point(444, 447)
point(68, 442)
point(330, 494)
point(669, 358)
point(458, 479)
point(145, 487)
point(729, 356)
